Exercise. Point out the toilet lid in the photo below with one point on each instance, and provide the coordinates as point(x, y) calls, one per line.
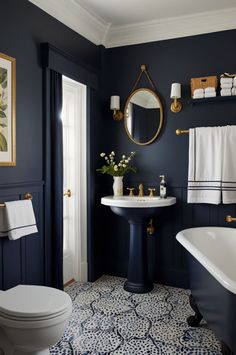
point(33, 301)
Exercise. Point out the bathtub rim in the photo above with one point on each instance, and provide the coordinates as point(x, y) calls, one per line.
point(219, 275)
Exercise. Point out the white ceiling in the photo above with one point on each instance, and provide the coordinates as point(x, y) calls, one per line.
point(122, 22)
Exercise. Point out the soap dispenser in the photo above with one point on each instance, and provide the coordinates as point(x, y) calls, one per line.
point(163, 187)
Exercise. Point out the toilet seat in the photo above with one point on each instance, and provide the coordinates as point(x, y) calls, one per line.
point(30, 304)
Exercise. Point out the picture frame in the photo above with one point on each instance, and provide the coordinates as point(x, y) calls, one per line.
point(7, 110)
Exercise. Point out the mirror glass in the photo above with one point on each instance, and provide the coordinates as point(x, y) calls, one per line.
point(143, 116)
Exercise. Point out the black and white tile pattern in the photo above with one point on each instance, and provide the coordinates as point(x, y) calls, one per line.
point(108, 320)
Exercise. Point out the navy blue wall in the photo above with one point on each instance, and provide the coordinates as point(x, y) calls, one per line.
point(24, 27)
point(176, 60)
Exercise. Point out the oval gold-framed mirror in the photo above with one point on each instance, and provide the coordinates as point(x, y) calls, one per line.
point(143, 116)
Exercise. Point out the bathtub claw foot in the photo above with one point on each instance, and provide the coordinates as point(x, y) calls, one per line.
point(225, 350)
point(193, 321)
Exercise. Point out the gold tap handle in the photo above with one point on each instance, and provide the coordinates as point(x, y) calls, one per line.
point(68, 193)
point(151, 194)
point(131, 191)
point(230, 219)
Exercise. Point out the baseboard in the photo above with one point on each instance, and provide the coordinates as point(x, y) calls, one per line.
point(67, 284)
point(83, 275)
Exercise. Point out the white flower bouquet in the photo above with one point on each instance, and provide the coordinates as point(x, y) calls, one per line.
point(117, 169)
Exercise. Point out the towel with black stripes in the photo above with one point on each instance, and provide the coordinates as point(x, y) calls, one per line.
point(17, 219)
point(212, 165)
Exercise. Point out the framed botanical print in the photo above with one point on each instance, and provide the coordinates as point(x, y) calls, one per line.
point(7, 110)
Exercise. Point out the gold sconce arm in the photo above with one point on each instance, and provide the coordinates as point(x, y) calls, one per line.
point(230, 219)
point(117, 115)
point(176, 106)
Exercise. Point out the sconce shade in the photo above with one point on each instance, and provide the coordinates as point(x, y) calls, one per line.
point(115, 103)
point(175, 91)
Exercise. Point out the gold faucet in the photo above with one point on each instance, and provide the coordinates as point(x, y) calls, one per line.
point(151, 194)
point(140, 190)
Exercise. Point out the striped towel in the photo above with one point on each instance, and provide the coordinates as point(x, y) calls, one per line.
point(204, 170)
point(17, 219)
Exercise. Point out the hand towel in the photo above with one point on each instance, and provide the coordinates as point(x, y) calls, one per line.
point(198, 91)
point(204, 169)
point(3, 223)
point(229, 166)
point(198, 96)
point(233, 91)
point(210, 89)
point(226, 86)
point(225, 92)
point(234, 81)
point(20, 219)
point(210, 94)
point(226, 80)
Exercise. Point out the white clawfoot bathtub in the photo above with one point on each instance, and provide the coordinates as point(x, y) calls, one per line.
point(212, 266)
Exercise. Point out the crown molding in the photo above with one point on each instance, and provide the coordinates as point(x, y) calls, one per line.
point(173, 27)
point(75, 16)
point(95, 29)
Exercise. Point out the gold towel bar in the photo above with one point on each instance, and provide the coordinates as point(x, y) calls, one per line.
point(27, 196)
point(181, 131)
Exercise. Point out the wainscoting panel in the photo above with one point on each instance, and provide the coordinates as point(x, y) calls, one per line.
point(22, 261)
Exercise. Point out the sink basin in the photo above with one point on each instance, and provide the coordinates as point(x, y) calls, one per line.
point(137, 202)
point(136, 210)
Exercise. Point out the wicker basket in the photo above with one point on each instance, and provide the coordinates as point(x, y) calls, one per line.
point(203, 82)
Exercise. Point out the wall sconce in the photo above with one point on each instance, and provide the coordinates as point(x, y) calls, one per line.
point(175, 94)
point(115, 106)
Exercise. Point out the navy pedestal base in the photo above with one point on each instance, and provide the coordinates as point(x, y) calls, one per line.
point(138, 280)
point(138, 288)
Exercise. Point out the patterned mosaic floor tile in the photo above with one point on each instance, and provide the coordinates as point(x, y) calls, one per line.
point(107, 320)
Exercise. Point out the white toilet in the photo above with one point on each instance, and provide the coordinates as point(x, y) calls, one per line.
point(32, 319)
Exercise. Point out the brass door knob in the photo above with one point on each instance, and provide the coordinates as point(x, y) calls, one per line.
point(151, 194)
point(131, 191)
point(68, 193)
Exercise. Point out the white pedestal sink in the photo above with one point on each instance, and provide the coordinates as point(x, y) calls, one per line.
point(137, 210)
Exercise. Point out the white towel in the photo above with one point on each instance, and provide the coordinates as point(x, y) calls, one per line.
point(210, 89)
point(225, 92)
point(233, 91)
point(226, 86)
point(198, 96)
point(229, 166)
point(20, 219)
point(234, 81)
point(210, 94)
point(204, 170)
point(198, 91)
point(226, 80)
